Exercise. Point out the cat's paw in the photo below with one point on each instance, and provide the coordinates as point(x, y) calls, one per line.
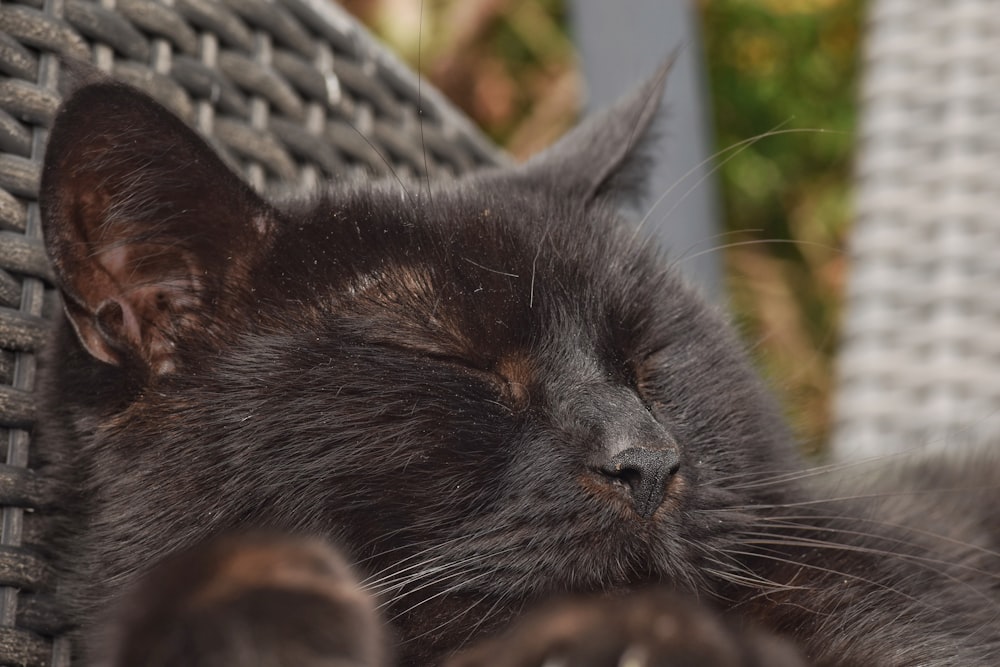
point(654, 629)
point(247, 600)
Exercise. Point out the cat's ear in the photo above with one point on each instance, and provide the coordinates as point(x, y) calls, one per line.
point(149, 232)
point(604, 156)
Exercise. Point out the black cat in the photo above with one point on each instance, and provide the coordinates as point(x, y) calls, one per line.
point(486, 395)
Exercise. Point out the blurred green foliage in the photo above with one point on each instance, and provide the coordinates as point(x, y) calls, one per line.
point(509, 64)
point(787, 66)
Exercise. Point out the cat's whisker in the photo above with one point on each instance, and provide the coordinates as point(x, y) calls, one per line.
point(433, 544)
point(714, 237)
point(395, 572)
point(406, 587)
point(417, 561)
point(738, 244)
point(733, 150)
point(799, 541)
point(859, 496)
point(419, 573)
point(394, 581)
point(486, 268)
point(764, 553)
point(534, 269)
point(808, 522)
point(764, 479)
point(751, 580)
point(736, 571)
point(434, 576)
point(736, 148)
point(921, 562)
point(420, 101)
point(694, 186)
point(447, 591)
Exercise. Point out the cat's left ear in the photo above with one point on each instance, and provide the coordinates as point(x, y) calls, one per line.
point(151, 236)
point(603, 157)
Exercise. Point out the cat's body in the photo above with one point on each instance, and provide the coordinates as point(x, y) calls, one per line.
point(485, 396)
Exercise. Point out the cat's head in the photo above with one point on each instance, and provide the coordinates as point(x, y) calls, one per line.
point(485, 390)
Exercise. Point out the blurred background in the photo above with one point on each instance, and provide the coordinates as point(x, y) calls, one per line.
point(512, 66)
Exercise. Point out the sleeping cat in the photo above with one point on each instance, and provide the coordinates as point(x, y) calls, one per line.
point(485, 396)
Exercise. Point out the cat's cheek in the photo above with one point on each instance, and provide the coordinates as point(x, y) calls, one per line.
point(608, 495)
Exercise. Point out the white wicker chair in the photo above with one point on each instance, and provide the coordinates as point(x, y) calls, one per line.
point(920, 358)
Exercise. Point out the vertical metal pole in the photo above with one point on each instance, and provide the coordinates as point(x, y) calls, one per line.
point(620, 44)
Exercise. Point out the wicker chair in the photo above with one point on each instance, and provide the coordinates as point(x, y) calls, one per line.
point(920, 357)
point(291, 92)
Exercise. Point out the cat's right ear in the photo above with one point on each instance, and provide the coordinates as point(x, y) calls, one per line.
point(149, 233)
point(605, 156)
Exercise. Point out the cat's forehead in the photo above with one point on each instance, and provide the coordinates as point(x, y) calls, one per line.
point(418, 238)
point(463, 271)
point(481, 241)
point(467, 263)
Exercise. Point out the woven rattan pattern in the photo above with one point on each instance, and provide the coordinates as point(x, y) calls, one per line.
point(920, 359)
point(291, 92)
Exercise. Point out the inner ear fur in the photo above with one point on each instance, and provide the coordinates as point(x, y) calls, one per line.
point(149, 232)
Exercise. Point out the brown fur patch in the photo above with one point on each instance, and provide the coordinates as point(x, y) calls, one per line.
point(519, 373)
point(295, 565)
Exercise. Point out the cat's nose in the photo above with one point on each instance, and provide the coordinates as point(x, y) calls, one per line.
point(646, 472)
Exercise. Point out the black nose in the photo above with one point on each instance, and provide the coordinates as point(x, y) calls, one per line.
point(646, 472)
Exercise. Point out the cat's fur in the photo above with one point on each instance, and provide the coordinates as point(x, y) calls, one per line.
point(249, 599)
point(459, 389)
